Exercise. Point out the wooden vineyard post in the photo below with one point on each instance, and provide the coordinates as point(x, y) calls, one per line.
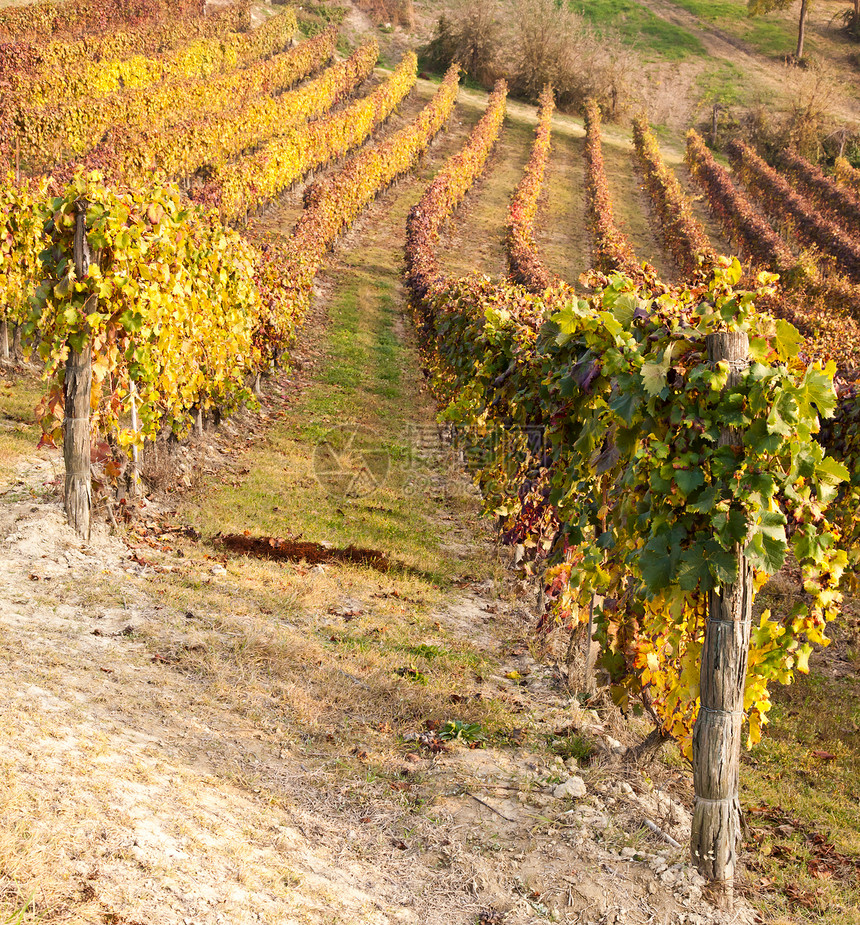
point(76, 390)
point(717, 733)
point(135, 455)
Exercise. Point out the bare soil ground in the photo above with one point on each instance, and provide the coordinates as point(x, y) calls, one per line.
point(135, 791)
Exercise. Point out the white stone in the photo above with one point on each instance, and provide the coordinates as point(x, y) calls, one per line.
point(573, 787)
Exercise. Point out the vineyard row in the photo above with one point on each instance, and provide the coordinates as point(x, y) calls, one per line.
point(445, 193)
point(612, 249)
point(243, 186)
point(71, 129)
point(44, 19)
point(185, 146)
point(777, 196)
point(524, 261)
point(815, 304)
point(684, 235)
point(68, 73)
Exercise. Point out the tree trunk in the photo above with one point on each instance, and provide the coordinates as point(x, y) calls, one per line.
point(77, 389)
point(717, 733)
point(801, 28)
point(855, 22)
point(135, 453)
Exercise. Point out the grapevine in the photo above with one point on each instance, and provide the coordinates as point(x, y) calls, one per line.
point(243, 186)
point(185, 146)
point(612, 250)
point(73, 71)
point(333, 204)
point(176, 308)
point(445, 193)
point(847, 176)
point(525, 263)
point(70, 129)
point(778, 196)
point(682, 232)
point(818, 305)
point(828, 196)
point(43, 19)
point(650, 506)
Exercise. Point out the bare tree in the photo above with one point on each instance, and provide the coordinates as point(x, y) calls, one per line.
point(538, 42)
point(553, 45)
point(763, 7)
point(473, 35)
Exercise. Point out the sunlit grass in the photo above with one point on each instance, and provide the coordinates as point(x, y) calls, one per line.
point(806, 771)
point(638, 26)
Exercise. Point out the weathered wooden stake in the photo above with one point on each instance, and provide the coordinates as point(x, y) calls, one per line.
point(135, 455)
point(590, 653)
point(717, 734)
point(77, 389)
point(4, 340)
